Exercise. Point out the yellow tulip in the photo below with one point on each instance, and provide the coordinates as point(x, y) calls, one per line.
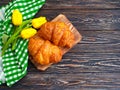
point(38, 22)
point(27, 33)
point(17, 17)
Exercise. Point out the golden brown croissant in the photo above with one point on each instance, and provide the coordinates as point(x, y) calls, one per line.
point(43, 51)
point(58, 33)
point(52, 41)
point(34, 45)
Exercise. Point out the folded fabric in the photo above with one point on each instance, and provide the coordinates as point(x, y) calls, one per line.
point(13, 65)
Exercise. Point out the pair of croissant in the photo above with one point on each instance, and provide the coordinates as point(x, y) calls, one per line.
point(45, 46)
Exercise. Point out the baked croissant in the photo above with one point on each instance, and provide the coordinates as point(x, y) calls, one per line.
point(58, 33)
point(43, 51)
point(53, 40)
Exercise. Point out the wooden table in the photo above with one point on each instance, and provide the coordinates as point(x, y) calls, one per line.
point(94, 63)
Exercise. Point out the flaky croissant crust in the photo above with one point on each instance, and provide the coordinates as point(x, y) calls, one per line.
point(58, 33)
point(45, 46)
point(43, 51)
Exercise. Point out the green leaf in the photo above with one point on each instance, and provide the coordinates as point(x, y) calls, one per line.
point(4, 38)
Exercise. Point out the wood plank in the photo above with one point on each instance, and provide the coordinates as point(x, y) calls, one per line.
point(100, 37)
point(74, 63)
point(82, 4)
point(4, 2)
point(77, 4)
point(88, 19)
point(96, 48)
point(92, 81)
point(98, 42)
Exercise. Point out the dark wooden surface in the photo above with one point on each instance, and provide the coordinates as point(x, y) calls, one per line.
point(94, 63)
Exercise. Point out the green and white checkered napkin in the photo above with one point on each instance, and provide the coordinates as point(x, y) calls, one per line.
point(13, 65)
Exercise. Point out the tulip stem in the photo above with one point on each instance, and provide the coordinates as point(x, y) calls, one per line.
point(13, 39)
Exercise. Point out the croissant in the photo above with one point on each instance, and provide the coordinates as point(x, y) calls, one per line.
point(58, 33)
point(43, 51)
point(52, 41)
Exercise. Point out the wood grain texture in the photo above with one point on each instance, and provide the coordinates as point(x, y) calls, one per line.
point(78, 4)
point(88, 19)
point(83, 4)
point(94, 63)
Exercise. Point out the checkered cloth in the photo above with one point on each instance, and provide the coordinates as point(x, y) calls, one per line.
point(14, 63)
